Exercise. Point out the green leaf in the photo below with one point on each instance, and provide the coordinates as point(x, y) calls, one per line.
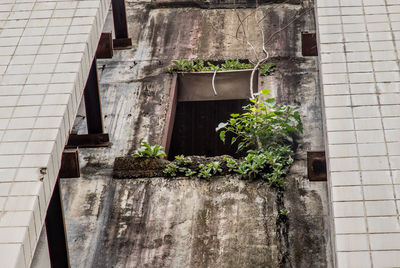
point(222, 136)
point(265, 91)
point(221, 126)
point(233, 140)
point(148, 151)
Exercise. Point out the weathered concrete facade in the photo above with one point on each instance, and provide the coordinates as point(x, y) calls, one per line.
point(224, 222)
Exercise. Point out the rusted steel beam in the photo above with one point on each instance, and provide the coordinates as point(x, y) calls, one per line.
point(316, 165)
point(88, 140)
point(55, 229)
point(170, 119)
point(309, 44)
point(94, 118)
point(70, 164)
point(121, 41)
point(105, 46)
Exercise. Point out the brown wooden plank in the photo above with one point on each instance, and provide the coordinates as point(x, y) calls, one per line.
point(316, 165)
point(309, 44)
point(88, 140)
point(70, 164)
point(94, 118)
point(55, 229)
point(105, 46)
point(122, 41)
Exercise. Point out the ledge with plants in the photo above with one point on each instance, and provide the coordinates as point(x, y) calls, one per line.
point(233, 79)
point(191, 65)
point(265, 131)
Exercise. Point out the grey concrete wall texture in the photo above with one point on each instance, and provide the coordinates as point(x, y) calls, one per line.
point(224, 222)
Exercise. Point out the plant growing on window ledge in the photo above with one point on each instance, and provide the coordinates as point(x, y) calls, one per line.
point(180, 166)
point(210, 169)
point(265, 130)
point(263, 124)
point(149, 151)
point(268, 132)
point(183, 65)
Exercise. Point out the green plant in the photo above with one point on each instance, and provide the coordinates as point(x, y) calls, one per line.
point(215, 167)
point(253, 165)
point(179, 167)
point(236, 65)
point(267, 131)
point(190, 173)
point(284, 212)
point(263, 124)
point(171, 170)
point(181, 160)
point(148, 151)
point(231, 163)
point(210, 169)
point(183, 65)
point(267, 68)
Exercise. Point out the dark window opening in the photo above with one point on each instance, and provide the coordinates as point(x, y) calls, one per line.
point(319, 166)
point(194, 128)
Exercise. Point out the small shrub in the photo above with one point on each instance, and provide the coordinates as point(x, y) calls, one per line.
point(181, 160)
point(210, 169)
point(180, 166)
point(267, 132)
point(267, 68)
point(231, 163)
point(171, 170)
point(284, 212)
point(263, 124)
point(148, 151)
point(190, 173)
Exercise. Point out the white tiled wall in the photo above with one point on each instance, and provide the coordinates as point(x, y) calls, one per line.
point(359, 47)
point(46, 47)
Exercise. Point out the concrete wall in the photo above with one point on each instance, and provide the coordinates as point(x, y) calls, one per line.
point(224, 222)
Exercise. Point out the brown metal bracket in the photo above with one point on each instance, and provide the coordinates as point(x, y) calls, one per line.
point(105, 46)
point(309, 44)
point(121, 41)
point(316, 165)
point(94, 119)
point(88, 140)
point(55, 229)
point(91, 94)
point(70, 164)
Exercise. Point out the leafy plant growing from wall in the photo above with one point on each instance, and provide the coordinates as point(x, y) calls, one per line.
point(149, 151)
point(190, 65)
point(268, 132)
point(264, 130)
point(210, 169)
